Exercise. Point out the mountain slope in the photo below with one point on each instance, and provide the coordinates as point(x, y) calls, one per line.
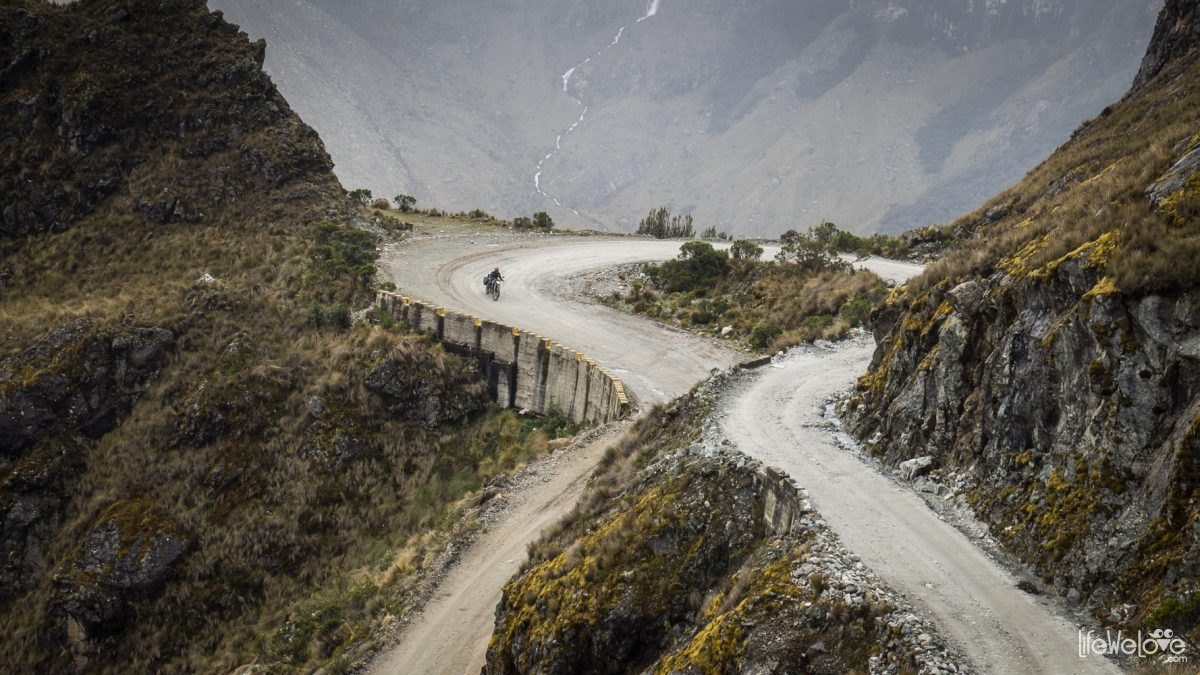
point(201, 465)
point(757, 117)
point(1050, 362)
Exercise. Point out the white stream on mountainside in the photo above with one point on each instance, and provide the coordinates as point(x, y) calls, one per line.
point(651, 10)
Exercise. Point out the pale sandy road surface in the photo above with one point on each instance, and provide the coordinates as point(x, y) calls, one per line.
point(775, 417)
point(452, 633)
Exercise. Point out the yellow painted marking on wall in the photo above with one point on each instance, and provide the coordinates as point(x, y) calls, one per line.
point(441, 311)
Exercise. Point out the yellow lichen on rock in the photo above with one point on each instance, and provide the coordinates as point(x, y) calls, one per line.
point(1017, 264)
point(1103, 172)
point(1103, 288)
point(1190, 192)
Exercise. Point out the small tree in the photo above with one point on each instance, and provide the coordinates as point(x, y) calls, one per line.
point(744, 249)
point(404, 203)
point(361, 195)
point(661, 224)
point(709, 232)
point(808, 253)
point(825, 234)
point(542, 220)
point(522, 223)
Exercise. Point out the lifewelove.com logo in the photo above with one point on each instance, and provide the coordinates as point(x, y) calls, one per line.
point(1160, 644)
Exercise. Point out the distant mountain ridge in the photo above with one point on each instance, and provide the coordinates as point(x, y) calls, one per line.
point(756, 117)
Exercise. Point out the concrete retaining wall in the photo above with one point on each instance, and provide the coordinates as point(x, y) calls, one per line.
point(523, 370)
point(783, 500)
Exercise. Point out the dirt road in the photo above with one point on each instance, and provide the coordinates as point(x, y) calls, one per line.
point(999, 627)
point(453, 631)
point(656, 363)
point(777, 419)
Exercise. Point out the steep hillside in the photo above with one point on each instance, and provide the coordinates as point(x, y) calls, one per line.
point(756, 116)
point(201, 465)
point(1050, 362)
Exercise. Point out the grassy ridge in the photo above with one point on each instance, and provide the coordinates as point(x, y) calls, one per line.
point(253, 492)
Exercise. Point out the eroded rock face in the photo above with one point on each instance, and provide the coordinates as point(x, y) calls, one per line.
point(1068, 409)
point(1177, 33)
point(1081, 412)
point(416, 387)
point(77, 381)
point(613, 601)
point(76, 378)
point(127, 555)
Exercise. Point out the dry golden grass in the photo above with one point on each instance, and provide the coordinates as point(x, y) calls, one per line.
point(1093, 185)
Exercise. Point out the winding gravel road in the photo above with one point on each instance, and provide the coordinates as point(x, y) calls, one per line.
point(775, 417)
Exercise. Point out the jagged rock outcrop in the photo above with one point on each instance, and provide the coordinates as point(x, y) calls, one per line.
point(415, 385)
point(1176, 33)
point(128, 554)
point(76, 378)
point(1051, 364)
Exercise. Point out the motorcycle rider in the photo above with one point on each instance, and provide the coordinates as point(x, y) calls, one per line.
point(492, 277)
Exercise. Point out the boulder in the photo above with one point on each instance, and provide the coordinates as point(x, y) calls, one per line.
point(126, 556)
point(915, 467)
point(968, 296)
point(1175, 179)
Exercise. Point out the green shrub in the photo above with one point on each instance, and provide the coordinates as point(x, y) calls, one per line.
point(404, 203)
point(763, 335)
point(744, 249)
point(345, 251)
point(856, 311)
point(361, 195)
point(698, 266)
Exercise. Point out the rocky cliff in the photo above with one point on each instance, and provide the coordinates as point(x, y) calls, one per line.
point(1048, 366)
point(1177, 33)
point(201, 465)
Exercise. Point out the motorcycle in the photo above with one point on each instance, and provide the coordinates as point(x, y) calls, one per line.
point(492, 288)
